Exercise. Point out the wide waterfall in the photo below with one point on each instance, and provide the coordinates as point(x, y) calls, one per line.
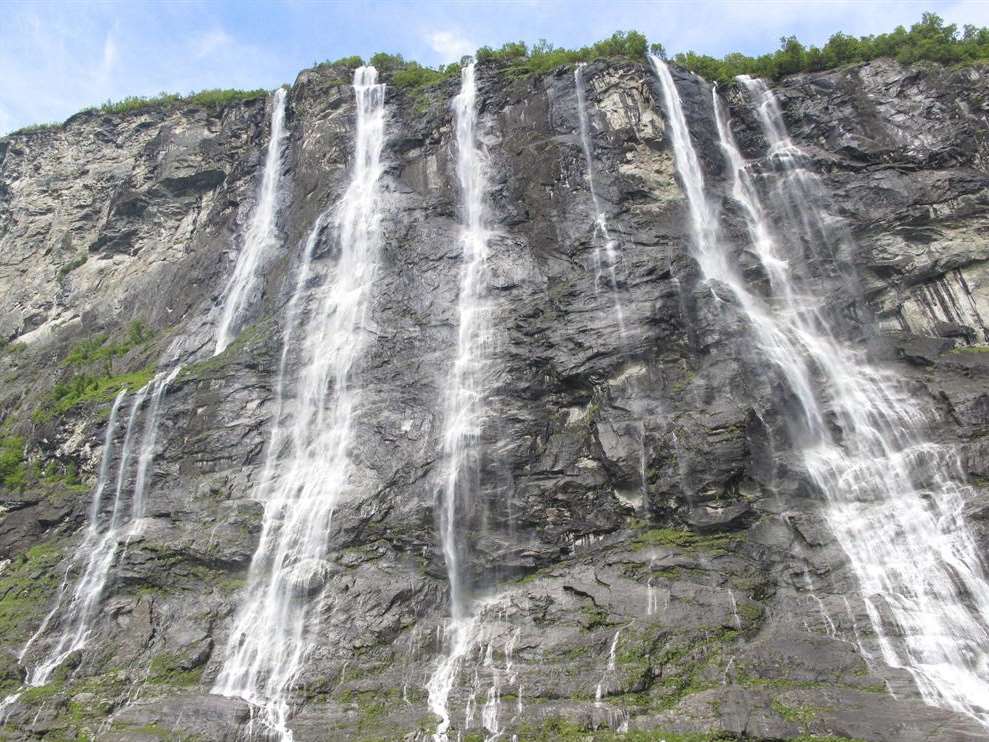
point(607, 262)
point(307, 464)
point(893, 499)
point(261, 236)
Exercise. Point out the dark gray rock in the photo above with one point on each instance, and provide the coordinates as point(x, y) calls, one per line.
point(641, 486)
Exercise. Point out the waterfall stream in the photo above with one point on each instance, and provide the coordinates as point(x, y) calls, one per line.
point(464, 411)
point(261, 236)
point(76, 609)
point(307, 465)
point(894, 500)
point(609, 260)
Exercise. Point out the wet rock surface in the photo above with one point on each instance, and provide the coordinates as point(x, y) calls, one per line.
point(647, 551)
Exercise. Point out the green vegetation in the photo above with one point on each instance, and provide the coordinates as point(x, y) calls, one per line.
point(213, 99)
point(559, 730)
point(35, 128)
point(167, 669)
point(13, 469)
point(72, 265)
point(252, 335)
point(17, 474)
point(351, 63)
point(92, 379)
point(83, 389)
point(543, 56)
point(970, 349)
point(25, 587)
point(98, 348)
point(802, 715)
point(928, 40)
point(716, 543)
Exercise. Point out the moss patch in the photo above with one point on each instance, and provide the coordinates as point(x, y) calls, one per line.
point(718, 543)
point(166, 669)
point(26, 586)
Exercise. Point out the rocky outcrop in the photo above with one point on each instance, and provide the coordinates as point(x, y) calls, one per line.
point(652, 555)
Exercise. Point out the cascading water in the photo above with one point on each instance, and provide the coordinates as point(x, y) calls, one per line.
point(149, 439)
point(261, 236)
point(465, 396)
point(87, 548)
point(894, 500)
point(97, 551)
point(307, 465)
point(609, 260)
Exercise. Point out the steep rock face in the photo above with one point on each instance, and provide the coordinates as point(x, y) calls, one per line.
point(649, 554)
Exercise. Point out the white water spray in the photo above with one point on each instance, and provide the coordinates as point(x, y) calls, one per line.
point(262, 235)
point(894, 500)
point(465, 396)
point(97, 551)
point(307, 466)
point(149, 439)
point(609, 671)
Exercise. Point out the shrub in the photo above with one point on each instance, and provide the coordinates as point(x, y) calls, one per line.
point(928, 40)
point(215, 98)
point(72, 265)
point(13, 471)
point(351, 63)
point(92, 379)
point(35, 128)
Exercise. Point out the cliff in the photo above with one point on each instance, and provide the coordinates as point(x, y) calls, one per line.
point(652, 552)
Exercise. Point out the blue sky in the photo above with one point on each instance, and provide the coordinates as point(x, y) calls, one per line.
point(59, 57)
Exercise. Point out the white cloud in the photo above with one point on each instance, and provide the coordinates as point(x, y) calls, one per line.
point(450, 45)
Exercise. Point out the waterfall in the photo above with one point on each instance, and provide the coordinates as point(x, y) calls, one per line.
point(893, 499)
point(40, 675)
point(610, 258)
point(97, 551)
point(149, 439)
point(465, 393)
point(261, 236)
point(307, 462)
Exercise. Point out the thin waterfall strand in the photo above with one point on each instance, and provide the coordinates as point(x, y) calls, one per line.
point(96, 552)
point(149, 440)
point(465, 395)
point(307, 466)
point(262, 235)
point(92, 528)
point(609, 260)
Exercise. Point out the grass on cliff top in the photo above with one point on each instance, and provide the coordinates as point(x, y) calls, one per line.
point(520, 59)
point(930, 39)
point(212, 99)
